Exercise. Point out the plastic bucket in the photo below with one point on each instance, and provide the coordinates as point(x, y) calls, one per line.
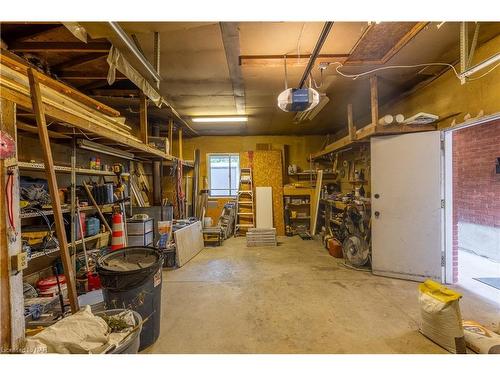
point(131, 344)
point(169, 258)
point(131, 279)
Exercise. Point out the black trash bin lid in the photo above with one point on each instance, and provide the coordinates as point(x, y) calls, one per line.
point(129, 260)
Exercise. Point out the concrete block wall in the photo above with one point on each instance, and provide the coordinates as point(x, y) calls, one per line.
point(476, 191)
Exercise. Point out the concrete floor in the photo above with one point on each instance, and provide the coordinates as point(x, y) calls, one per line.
point(472, 266)
point(292, 299)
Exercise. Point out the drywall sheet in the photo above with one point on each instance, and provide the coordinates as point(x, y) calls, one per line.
point(188, 242)
point(264, 207)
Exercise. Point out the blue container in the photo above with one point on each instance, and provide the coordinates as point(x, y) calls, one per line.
point(92, 226)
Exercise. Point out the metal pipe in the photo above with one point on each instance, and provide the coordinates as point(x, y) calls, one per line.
point(157, 51)
point(157, 55)
point(132, 47)
point(317, 49)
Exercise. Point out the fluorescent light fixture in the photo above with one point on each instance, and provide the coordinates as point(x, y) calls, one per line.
point(474, 69)
point(96, 147)
point(221, 119)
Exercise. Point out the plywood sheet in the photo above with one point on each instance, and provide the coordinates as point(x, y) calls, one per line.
point(267, 171)
point(264, 206)
point(188, 242)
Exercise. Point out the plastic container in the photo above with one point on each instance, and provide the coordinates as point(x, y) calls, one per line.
point(93, 226)
point(131, 344)
point(169, 258)
point(131, 278)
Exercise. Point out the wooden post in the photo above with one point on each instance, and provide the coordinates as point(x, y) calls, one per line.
point(12, 329)
point(36, 99)
point(350, 123)
point(180, 144)
point(171, 136)
point(374, 100)
point(143, 117)
point(6, 112)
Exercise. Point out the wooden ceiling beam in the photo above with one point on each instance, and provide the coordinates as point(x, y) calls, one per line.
point(292, 59)
point(78, 61)
point(120, 93)
point(32, 31)
point(88, 76)
point(60, 46)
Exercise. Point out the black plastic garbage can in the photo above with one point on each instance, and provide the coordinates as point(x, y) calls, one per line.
point(131, 279)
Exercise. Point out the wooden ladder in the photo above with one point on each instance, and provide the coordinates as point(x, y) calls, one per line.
point(245, 213)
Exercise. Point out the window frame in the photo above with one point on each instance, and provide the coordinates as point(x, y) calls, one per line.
point(209, 155)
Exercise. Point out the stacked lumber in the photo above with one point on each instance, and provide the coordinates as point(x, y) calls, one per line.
point(67, 106)
point(261, 237)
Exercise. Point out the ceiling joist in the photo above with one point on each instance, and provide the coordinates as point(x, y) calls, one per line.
point(59, 46)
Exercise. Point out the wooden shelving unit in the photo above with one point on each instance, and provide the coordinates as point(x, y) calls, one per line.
point(363, 135)
point(39, 254)
point(29, 166)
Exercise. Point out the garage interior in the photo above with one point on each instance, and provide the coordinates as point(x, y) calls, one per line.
point(249, 187)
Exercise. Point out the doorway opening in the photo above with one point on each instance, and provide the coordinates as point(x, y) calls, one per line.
point(473, 188)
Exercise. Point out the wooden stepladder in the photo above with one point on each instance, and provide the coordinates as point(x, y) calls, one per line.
point(245, 210)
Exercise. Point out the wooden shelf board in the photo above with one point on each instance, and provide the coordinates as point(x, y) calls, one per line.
point(64, 169)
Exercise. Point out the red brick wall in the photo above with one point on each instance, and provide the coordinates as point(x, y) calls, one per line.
point(476, 186)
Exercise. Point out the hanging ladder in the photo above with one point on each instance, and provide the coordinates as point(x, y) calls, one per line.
point(245, 213)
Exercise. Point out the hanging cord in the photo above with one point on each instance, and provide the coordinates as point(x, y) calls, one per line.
point(286, 73)
point(299, 40)
point(356, 76)
point(316, 86)
point(9, 196)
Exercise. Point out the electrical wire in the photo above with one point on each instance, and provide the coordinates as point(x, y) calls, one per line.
point(482, 75)
point(298, 41)
point(355, 76)
point(86, 136)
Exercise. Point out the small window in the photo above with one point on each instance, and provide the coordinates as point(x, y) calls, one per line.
point(223, 174)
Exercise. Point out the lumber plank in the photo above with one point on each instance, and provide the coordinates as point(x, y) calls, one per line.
point(374, 100)
point(34, 130)
point(21, 66)
point(350, 123)
point(180, 144)
point(20, 83)
point(78, 61)
point(79, 121)
point(143, 118)
point(170, 136)
point(38, 107)
point(7, 110)
point(14, 245)
point(94, 203)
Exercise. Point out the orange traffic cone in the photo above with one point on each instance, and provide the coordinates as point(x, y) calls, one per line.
point(118, 237)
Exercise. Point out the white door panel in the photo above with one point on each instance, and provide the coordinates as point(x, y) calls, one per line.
point(407, 215)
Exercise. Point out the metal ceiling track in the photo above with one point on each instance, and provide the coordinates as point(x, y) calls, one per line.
point(317, 49)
